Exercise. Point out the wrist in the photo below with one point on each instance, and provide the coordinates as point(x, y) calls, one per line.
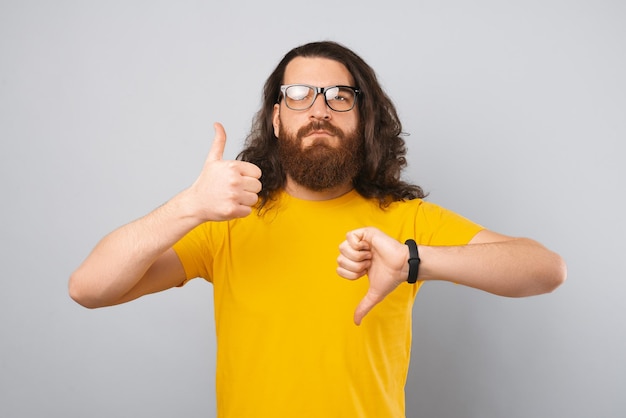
point(413, 261)
point(183, 207)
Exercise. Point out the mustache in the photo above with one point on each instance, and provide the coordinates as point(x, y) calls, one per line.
point(317, 126)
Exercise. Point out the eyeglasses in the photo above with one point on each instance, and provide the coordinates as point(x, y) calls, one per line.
point(302, 96)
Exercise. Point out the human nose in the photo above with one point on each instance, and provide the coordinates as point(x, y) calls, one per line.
point(320, 109)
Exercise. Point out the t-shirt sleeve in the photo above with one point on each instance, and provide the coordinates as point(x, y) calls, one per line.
point(195, 253)
point(439, 226)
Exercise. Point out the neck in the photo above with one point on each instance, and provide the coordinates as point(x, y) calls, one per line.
point(296, 190)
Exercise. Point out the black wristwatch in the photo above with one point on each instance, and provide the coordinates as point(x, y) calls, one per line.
point(414, 260)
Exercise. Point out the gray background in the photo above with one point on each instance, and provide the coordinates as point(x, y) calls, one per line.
point(515, 110)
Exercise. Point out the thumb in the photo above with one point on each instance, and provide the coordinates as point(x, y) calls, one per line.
point(219, 142)
point(366, 305)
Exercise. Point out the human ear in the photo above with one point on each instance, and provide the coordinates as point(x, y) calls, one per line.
point(276, 119)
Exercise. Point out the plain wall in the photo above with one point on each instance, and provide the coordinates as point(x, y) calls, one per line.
point(516, 115)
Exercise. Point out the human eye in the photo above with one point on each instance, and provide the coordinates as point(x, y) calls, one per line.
point(339, 94)
point(298, 92)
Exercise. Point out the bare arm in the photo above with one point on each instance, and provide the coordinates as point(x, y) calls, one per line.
point(492, 262)
point(133, 260)
point(137, 258)
point(495, 263)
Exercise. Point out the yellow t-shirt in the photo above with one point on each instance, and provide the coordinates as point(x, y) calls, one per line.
point(286, 342)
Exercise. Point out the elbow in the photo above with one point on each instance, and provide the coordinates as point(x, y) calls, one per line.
point(553, 276)
point(546, 277)
point(559, 274)
point(79, 293)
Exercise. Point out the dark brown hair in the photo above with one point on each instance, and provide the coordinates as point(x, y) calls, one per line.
point(383, 147)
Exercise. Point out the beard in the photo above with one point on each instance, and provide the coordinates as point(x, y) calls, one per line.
point(320, 166)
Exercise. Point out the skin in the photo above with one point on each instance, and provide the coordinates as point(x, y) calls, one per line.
point(492, 262)
point(319, 72)
point(137, 259)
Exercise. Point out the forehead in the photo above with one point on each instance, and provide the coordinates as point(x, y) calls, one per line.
point(317, 71)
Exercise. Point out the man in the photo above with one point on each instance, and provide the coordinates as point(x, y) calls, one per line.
point(321, 168)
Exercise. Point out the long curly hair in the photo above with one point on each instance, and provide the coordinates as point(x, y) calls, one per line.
point(384, 149)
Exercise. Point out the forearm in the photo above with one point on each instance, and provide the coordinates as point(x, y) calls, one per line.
point(513, 267)
point(121, 259)
point(491, 262)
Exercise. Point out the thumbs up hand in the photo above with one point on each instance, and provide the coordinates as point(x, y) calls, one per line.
point(224, 189)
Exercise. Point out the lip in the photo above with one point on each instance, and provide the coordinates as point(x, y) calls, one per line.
point(319, 132)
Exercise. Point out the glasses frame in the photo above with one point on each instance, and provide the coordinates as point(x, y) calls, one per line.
point(319, 90)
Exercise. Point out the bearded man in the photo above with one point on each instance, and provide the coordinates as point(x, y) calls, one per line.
point(321, 169)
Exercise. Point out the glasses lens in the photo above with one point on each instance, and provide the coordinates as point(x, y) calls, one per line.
point(340, 98)
point(299, 97)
